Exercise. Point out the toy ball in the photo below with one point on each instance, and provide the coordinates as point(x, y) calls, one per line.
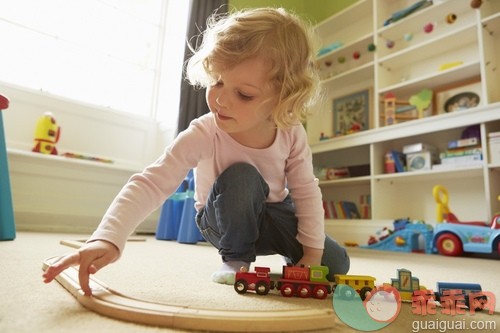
point(47, 134)
point(476, 3)
point(408, 37)
point(356, 55)
point(451, 18)
point(389, 44)
point(371, 47)
point(428, 28)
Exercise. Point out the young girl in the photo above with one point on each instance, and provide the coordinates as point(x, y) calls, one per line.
point(256, 193)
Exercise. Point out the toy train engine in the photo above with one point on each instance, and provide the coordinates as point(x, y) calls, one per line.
point(304, 282)
point(258, 281)
point(362, 284)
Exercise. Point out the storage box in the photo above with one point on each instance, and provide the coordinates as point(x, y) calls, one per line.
point(421, 161)
point(494, 147)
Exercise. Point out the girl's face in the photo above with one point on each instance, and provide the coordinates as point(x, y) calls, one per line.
point(242, 101)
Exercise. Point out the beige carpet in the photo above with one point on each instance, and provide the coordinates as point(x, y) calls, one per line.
point(173, 273)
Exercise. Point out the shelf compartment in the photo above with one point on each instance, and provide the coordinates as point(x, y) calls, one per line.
point(406, 89)
point(413, 24)
point(331, 65)
point(423, 61)
point(413, 195)
point(338, 28)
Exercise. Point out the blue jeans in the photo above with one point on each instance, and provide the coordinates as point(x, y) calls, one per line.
point(239, 222)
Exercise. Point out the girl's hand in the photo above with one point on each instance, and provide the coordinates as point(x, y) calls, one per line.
point(91, 258)
point(311, 257)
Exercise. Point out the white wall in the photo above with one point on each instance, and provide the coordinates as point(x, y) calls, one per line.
point(52, 193)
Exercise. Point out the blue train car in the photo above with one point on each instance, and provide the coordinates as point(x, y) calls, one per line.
point(466, 290)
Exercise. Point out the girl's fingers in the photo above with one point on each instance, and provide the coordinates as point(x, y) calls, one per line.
point(60, 265)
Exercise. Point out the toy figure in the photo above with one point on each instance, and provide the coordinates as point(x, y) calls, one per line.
point(47, 134)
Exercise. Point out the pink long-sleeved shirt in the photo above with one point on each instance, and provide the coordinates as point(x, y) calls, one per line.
point(286, 166)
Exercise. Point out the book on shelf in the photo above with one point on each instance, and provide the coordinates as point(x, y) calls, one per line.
point(454, 166)
point(340, 210)
point(462, 159)
point(461, 152)
point(463, 143)
point(399, 161)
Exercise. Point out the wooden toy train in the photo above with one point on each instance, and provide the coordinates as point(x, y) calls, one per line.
point(300, 281)
point(307, 282)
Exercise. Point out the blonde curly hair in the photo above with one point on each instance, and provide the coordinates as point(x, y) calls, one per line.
point(280, 37)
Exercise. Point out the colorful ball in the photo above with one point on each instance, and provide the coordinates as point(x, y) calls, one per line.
point(451, 18)
point(428, 28)
point(408, 37)
point(371, 47)
point(389, 44)
point(356, 55)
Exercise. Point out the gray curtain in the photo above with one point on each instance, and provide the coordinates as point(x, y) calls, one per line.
point(192, 101)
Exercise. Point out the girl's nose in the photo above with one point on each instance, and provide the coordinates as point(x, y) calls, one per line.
point(218, 101)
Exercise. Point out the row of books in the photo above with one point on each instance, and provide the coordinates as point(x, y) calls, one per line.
point(461, 153)
point(346, 210)
point(421, 156)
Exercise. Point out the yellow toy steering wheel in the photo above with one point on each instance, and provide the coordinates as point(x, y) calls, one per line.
point(440, 194)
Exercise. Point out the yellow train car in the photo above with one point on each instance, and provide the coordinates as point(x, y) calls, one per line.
point(362, 284)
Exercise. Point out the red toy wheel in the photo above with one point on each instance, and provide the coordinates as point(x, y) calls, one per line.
point(320, 292)
point(449, 245)
point(241, 286)
point(287, 290)
point(262, 288)
point(304, 291)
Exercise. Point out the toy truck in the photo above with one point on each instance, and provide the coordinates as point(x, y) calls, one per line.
point(454, 237)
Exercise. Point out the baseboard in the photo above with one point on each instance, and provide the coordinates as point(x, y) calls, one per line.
point(79, 224)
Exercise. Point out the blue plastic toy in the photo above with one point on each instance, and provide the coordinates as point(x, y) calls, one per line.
point(188, 231)
point(177, 217)
point(7, 224)
point(408, 236)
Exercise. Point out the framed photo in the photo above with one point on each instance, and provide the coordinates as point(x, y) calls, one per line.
point(351, 113)
point(458, 98)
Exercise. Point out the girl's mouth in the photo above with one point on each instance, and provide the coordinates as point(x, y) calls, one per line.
point(222, 117)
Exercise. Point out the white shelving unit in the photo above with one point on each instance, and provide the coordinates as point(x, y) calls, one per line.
point(473, 41)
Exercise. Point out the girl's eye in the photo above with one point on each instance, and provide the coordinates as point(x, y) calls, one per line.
point(245, 97)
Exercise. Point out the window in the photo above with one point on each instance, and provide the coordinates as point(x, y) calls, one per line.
point(111, 53)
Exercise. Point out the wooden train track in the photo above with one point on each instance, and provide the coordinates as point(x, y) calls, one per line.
point(112, 303)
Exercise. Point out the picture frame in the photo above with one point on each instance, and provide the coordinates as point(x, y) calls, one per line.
point(351, 113)
point(458, 97)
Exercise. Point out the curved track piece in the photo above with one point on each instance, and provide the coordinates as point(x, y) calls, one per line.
point(111, 303)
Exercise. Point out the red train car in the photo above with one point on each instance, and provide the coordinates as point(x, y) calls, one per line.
point(304, 282)
point(258, 281)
